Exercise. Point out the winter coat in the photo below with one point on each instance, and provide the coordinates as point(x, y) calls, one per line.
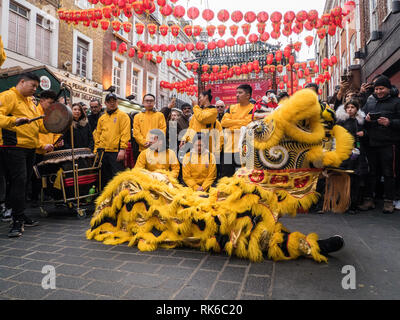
point(379, 135)
point(83, 137)
point(354, 125)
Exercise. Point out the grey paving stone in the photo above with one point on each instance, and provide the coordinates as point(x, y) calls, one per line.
point(73, 260)
point(158, 252)
point(176, 272)
point(262, 268)
point(52, 235)
point(29, 277)
point(101, 254)
point(74, 251)
point(74, 238)
point(192, 293)
point(26, 292)
point(71, 270)
point(137, 293)
point(234, 274)
point(238, 262)
point(124, 249)
point(104, 264)
point(60, 294)
point(16, 252)
point(225, 291)
point(143, 280)
point(8, 272)
point(96, 246)
point(190, 263)
point(12, 262)
point(203, 279)
point(46, 248)
point(165, 260)
point(139, 267)
point(43, 256)
point(189, 254)
point(173, 284)
point(6, 285)
point(106, 288)
point(19, 244)
point(36, 265)
point(252, 297)
point(105, 275)
point(214, 263)
point(72, 244)
point(131, 257)
point(74, 283)
point(257, 285)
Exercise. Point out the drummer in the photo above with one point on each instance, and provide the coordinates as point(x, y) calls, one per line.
point(47, 142)
point(19, 139)
point(112, 134)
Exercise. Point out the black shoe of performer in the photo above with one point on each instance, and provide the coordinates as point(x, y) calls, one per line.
point(17, 229)
point(28, 222)
point(329, 245)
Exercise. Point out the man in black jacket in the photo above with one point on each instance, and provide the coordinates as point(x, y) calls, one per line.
point(95, 114)
point(382, 125)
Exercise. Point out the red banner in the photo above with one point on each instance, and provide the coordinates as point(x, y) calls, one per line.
point(227, 91)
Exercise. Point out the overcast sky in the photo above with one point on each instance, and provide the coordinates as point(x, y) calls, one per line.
point(257, 6)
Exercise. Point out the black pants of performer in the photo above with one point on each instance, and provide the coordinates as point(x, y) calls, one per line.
point(36, 183)
point(110, 167)
point(17, 165)
point(385, 159)
point(230, 162)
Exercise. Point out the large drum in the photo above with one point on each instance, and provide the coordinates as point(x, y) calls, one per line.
point(62, 159)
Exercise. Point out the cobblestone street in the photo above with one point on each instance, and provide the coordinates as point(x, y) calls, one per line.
point(91, 270)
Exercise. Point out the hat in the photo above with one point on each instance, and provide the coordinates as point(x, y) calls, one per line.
point(111, 95)
point(382, 81)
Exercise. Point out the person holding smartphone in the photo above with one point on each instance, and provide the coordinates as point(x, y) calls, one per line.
point(382, 124)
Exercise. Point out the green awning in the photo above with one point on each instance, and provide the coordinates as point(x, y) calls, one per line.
point(48, 81)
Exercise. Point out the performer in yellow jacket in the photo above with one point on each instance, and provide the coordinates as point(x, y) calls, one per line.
point(199, 169)
point(204, 120)
point(236, 117)
point(157, 157)
point(19, 139)
point(146, 121)
point(112, 135)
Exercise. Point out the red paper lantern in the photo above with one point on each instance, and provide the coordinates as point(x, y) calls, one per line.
point(152, 28)
point(215, 68)
point(230, 42)
point(189, 46)
point(250, 17)
point(180, 47)
point(289, 16)
point(253, 38)
point(306, 72)
point(261, 28)
point(164, 30)
point(223, 15)
point(122, 48)
point(276, 17)
point(265, 36)
point(275, 35)
point(95, 24)
point(301, 16)
point(188, 66)
point(208, 15)
point(205, 68)
point(211, 30)
point(237, 16)
point(139, 28)
point(279, 68)
point(211, 45)
point(334, 60)
point(332, 30)
point(281, 85)
point(169, 62)
point(116, 25)
point(161, 3)
point(270, 58)
point(221, 30)
point(113, 45)
point(297, 46)
point(179, 12)
point(166, 10)
point(309, 40)
point(221, 43)
point(308, 26)
point(156, 48)
point(312, 15)
point(115, 11)
point(241, 41)
point(193, 13)
point(200, 46)
point(149, 56)
point(171, 48)
point(311, 63)
point(321, 33)
point(177, 63)
point(262, 17)
point(188, 30)
point(291, 60)
point(285, 78)
point(197, 30)
point(278, 56)
point(246, 29)
point(326, 19)
point(104, 24)
point(234, 30)
point(175, 29)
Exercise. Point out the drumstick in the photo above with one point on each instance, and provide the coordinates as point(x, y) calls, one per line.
point(31, 120)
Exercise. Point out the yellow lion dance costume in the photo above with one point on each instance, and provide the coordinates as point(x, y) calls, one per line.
point(284, 156)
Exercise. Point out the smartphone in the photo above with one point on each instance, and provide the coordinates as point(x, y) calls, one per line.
point(375, 116)
point(344, 78)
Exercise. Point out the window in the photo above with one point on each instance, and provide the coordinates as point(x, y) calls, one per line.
point(136, 37)
point(389, 6)
point(136, 84)
point(352, 48)
point(83, 4)
point(43, 36)
point(121, 31)
point(18, 29)
point(117, 76)
point(373, 8)
point(150, 85)
point(82, 58)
